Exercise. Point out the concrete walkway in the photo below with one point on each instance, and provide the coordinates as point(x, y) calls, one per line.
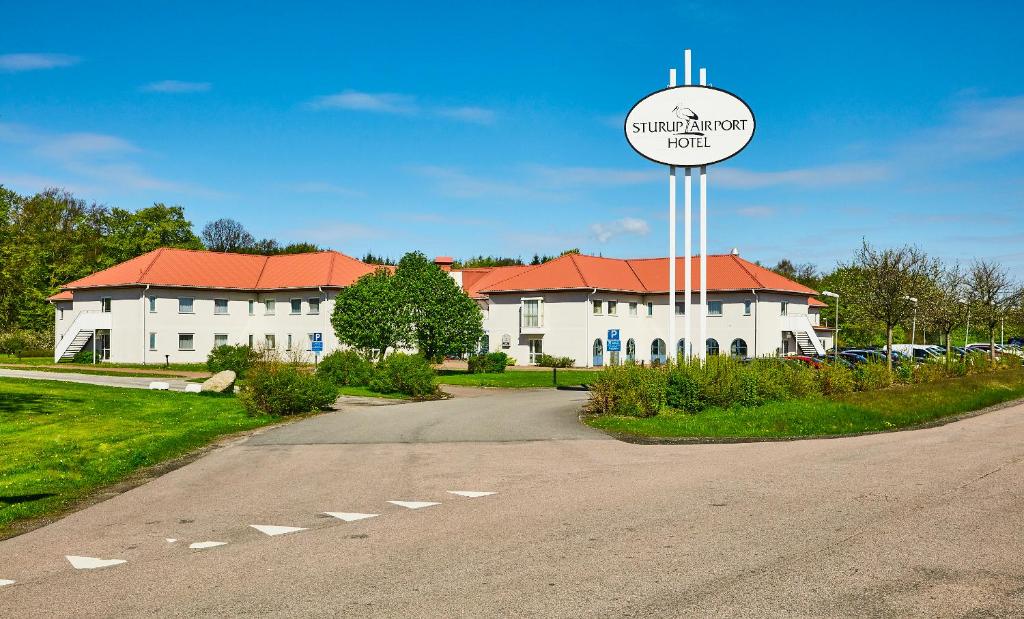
point(134, 382)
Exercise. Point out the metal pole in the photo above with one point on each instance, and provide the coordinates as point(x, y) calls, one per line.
point(913, 331)
point(835, 338)
point(967, 333)
point(702, 347)
point(671, 244)
point(687, 236)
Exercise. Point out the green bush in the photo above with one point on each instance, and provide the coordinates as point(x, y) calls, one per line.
point(872, 375)
point(276, 388)
point(835, 379)
point(22, 342)
point(548, 361)
point(346, 368)
point(629, 390)
point(82, 356)
point(488, 363)
point(929, 372)
point(725, 381)
point(237, 358)
point(37, 352)
point(903, 371)
point(402, 373)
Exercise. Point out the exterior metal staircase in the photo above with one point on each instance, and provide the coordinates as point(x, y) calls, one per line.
point(803, 342)
point(77, 344)
point(79, 333)
point(802, 329)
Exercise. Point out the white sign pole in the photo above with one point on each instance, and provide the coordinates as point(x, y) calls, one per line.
point(702, 347)
point(688, 236)
point(671, 246)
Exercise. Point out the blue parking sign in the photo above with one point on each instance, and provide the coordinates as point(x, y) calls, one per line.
point(317, 346)
point(613, 334)
point(614, 345)
point(318, 337)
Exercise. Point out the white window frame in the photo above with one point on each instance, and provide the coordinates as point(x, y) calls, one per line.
point(680, 308)
point(191, 335)
point(252, 307)
point(223, 335)
point(216, 307)
point(288, 346)
point(105, 305)
point(270, 341)
point(784, 308)
point(152, 304)
point(152, 340)
point(311, 303)
point(613, 308)
point(632, 308)
point(291, 307)
point(251, 340)
point(747, 306)
point(650, 309)
point(60, 313)
point(597, 307)
point(721, 308)
point(191, 304)
point(540, 311)
point(269, 307)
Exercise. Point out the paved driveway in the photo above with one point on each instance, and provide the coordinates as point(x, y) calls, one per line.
point(135, 382)
point(924, 523)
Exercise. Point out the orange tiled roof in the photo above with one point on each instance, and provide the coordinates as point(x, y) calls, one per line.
point(643, 275)
point(812, 302)
point(63, 295)
point(475, 279)
point(207, 269)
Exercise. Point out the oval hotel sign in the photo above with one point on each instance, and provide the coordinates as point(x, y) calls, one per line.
point(689, 126)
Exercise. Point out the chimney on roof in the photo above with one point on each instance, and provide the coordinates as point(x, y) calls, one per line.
point(735, 251)
point(445, 262)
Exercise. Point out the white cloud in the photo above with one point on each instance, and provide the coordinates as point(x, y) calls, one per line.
point(175, 86)
point(74, 145)
point(388, 103)
point(604, 232)
point(976, 129)
point(13, 63)
point(468, 113)
point(820, 176)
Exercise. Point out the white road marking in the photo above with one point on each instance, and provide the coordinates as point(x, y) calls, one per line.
point(272, 529)
point(91, 563)
point(350, 516)
point(4, 583)
point(202, 545)
point(171, 540)
point(472, 494)
point(413, 504)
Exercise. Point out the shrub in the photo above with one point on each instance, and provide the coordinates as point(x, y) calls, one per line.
point(402, 373)
point(903, 371)
point(22, 342)
point(489, 363)
point(629, 390)
point(929, 372)
point(276, 388)
point(872, 375)
point(37, 352)
point(346, 368)
point(835, 379)
point(548, 361)
point(235, 358)
point(82, 356)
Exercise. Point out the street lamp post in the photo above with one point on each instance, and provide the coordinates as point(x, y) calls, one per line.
point(967, 332)
point(913, 323)
point(835, 338)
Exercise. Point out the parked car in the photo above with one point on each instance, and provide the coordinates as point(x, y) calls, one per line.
point(853, 357)
point(831, 358)
point(804, 360)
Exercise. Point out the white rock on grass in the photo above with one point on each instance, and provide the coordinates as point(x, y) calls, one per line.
point(159, 385)
point(193, 388)
point(220, 382)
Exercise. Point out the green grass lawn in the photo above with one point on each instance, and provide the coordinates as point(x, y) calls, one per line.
point(872, 411)
point(59, 441)
point(515, 379)
point(11, 359)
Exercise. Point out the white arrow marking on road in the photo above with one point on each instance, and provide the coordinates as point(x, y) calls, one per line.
point(413, 504)
point(271, 529)
point(4, 583)
point(202, 545)
point(472, 494)
point(91, 563)
point(171, 540)
point(350, 516)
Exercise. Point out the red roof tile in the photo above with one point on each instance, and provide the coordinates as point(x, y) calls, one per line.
point(643, 275)
point(207, 269)
point(812, 302)
point(473, 280)
point(63, 295)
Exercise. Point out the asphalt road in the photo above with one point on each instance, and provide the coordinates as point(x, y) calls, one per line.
point(923, 523)
point(135, 382)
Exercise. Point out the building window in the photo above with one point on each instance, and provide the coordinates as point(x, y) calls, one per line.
point(485, 344)
point(785, 308)
point(270, 341)
point(630, 350)
point(632, 309)
point(250, 340)
point(252, 307)
point(220, 339)
point(746, 308)
point(658, 351)
point(152, 305)
point(314, 306)
point(60, 313)
point(714, 308)
point(536, 349)
point(598, 308)
point(105, 305)
point(681, 349)
point(185, 305)
point(268, 307)
point(186, 341)
point(598, 350)
point(531, 313)
point(220, 306)
point(738, 348)
point(712, 347)
point(613, 308)
point(152, 340)
point(650, 308)
point(296, 306)
point(680, 308)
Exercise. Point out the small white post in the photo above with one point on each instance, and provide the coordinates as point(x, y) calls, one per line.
point(671, 247)
point(703, 330)
point(687, 238)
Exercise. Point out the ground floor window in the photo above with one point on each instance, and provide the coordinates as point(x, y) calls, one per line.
point(536, 349)
point(220, 339)
point(270, 341)
point(630, 350)
point(250, 340)
point(288, 346)
point(658, 351)
point(186, 341)
point(152, 340)
point(738, 348)
point(598, 353)
point(681, 349)
point(712, 347)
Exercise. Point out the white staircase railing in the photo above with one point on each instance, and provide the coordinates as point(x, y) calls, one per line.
point(800, 323)
point(85, 321)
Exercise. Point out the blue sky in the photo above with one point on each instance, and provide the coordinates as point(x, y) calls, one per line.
point(496, 128)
